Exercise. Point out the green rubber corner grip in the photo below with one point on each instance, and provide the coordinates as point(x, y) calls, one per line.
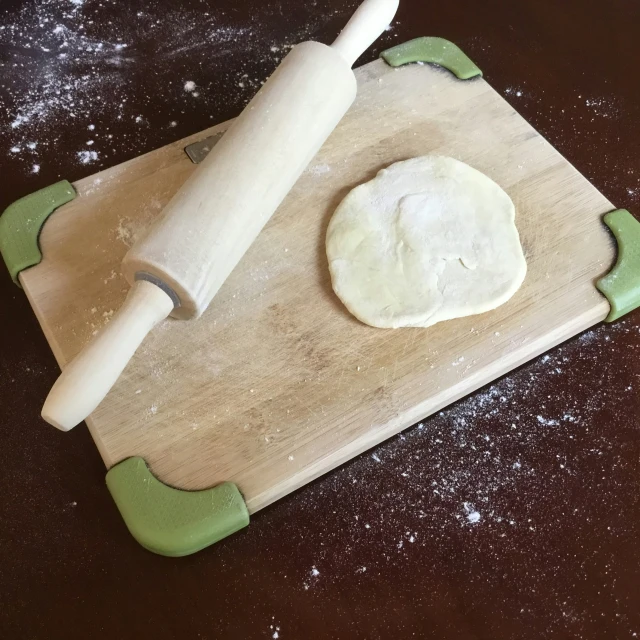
point(621, 285)
point(436, 51)
point(169, 521)
point(21, 222)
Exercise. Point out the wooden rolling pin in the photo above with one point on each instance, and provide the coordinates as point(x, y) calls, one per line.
point(209, 224)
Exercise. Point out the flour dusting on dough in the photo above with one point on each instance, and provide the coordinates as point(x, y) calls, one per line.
point(429, 239)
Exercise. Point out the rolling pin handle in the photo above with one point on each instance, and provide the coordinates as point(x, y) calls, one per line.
point(86, 380)
point(371, 18)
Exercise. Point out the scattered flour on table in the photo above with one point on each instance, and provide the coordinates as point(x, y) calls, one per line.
point(511, 91)
point(74, 62)
point(274, 630)
point(471, 514)
point(86, 157)
point(587, 124)
point(487, 471)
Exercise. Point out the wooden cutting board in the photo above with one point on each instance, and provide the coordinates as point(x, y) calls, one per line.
point(277, 384)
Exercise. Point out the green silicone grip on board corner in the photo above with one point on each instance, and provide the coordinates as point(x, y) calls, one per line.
point(21, 222)
point(621, 285)
point(435, 51)
point(169, 521)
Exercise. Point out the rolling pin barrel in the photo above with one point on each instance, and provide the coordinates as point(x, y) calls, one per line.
point(212, 220)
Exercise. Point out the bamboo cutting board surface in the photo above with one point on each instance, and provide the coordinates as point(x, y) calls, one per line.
point(277, 384)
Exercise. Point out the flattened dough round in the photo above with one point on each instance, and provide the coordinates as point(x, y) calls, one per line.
point(428, 239)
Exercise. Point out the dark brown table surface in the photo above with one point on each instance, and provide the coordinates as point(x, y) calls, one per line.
point(390, 545)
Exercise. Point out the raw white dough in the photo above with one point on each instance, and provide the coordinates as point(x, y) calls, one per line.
point(428, 239)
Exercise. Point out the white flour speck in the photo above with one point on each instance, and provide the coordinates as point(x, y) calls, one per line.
point(85, 157)
point(472, 515)
point(319, 169)
point(189, 85)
